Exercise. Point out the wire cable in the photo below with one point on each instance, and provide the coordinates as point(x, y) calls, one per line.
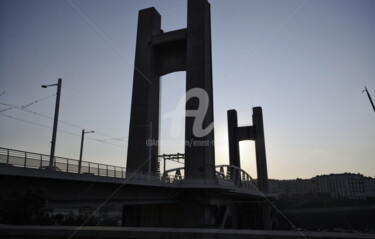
point(25, 105)
point(60, 130)
point(23, 108)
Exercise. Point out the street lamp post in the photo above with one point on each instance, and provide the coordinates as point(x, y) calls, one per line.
point(369, 97)
point(80, 154)
point(55, 120)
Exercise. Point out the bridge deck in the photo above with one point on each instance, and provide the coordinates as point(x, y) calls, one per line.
point(141, 180)
point(27, 164)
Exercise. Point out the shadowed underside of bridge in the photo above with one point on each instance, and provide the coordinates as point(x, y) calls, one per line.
point(146, 203)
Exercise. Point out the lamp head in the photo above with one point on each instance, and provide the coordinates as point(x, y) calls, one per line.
point(44, 86)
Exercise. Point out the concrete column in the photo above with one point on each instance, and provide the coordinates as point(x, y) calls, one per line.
point(144, 120)
point(199, 160)
point(260, 150)
point(234, 147)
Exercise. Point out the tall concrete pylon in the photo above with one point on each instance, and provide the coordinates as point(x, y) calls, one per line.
point(256, 133)
point(159, 53)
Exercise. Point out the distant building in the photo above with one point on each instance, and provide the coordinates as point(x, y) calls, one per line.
point(291, 187)
point(345, 185)
point(370, 187)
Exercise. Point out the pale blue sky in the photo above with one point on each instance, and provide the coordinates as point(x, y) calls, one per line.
point(304, 62)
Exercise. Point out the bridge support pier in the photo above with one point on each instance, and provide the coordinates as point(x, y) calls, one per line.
point(198, 208)
point(255, 133)
point(192, 209)
point(159, 53)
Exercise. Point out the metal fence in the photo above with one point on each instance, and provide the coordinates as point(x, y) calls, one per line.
point(236, 176)
point(225, 174)
point(41, 161)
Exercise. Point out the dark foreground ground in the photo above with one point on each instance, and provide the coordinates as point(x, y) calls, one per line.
point(314, 213)
point(25, 232)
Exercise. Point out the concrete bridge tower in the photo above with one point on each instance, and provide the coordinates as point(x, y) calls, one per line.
point(159, 53)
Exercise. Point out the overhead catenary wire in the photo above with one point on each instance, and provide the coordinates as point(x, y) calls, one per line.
point(60, 130)
point(24, 108)
point(25, 105)
point(36, 124)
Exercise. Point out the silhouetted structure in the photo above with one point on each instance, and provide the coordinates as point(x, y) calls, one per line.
point(157, 54)
point(256, 133)
point(205, 195)
point(202, 202)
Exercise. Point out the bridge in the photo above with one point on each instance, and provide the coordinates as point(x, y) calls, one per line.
point(99, 184)
point(200, 194)
point(23, 163)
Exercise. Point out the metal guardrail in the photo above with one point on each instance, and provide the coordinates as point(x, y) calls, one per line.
point(41, 161)
point(25, 159)
point(236, 176)
point(225, 174)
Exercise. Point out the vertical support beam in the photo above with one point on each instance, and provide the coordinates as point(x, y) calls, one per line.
point(260, 150)
point(165, 166)
point(234, 148)
point(199, 160)
point(145, 95)
point(7, 156)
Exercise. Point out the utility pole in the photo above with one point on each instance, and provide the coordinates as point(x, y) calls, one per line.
point(369, 97)
point(81, 151)
point(55, 121)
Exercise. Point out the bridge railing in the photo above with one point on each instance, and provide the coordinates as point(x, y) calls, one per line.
point(235, 175)
point(173, 175)
point(25, 159)
point(224, 174)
